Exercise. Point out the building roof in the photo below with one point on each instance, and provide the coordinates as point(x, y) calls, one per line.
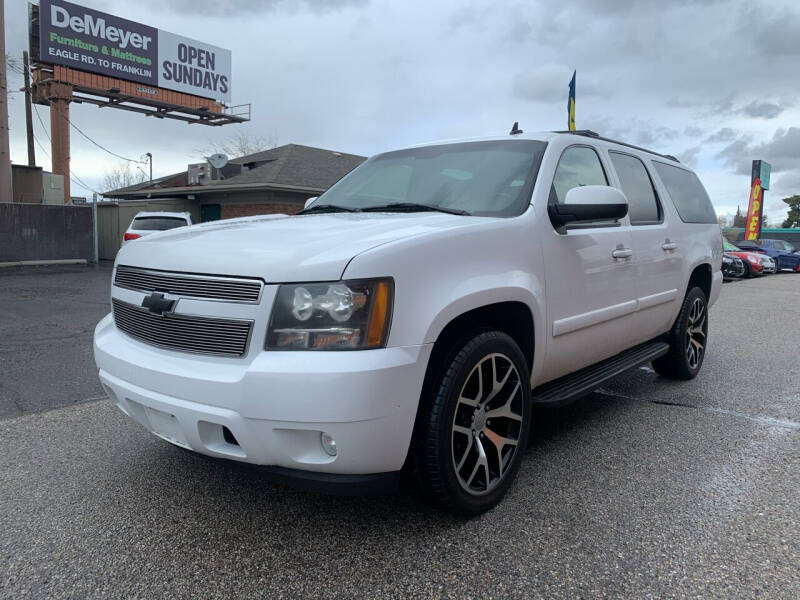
point(289, 167)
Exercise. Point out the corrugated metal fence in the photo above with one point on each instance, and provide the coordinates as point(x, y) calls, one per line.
point(45, 232)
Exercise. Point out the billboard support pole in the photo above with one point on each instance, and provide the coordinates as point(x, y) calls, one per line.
point(5, 152)
point(59, 95)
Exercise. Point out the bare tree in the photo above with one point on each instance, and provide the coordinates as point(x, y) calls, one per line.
point(240, 143)
point(123, 176)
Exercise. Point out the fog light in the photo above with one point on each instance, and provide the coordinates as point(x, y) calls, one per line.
point(328, 443)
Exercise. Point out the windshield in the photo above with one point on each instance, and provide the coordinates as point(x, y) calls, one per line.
point(728, 247)
point(492, 178)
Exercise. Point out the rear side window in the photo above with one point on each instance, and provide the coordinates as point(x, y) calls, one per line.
point(643, 207)
point(579, 165)
point(157, 223)
point(687, 193)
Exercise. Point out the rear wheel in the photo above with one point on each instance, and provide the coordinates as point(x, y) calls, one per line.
point(687, 339)
point(473, 424)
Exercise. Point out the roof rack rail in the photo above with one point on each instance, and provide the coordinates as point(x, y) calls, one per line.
point(586, 132)
point(595, 135)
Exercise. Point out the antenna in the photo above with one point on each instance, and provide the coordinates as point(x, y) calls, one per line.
point(515, 130)
point(218, 160)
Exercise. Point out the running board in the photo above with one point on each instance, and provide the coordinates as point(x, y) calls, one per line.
point(569, 387)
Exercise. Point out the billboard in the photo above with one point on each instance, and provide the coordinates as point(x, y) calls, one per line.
point(90, 40)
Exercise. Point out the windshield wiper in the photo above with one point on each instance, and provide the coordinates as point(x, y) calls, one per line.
point(327, 208)
point(413, 207)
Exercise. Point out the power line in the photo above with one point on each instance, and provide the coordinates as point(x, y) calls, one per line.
point(73, 176)
point(79, 130)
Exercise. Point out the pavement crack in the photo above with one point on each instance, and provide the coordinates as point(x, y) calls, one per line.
point(668, 403)
point(760, 419)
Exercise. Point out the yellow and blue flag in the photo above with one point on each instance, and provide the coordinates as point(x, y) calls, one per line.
point(571, 103)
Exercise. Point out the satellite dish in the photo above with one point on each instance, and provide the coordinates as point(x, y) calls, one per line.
point(218, 160)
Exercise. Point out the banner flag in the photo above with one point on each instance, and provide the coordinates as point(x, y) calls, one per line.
point(571, 103)
point(752, 228)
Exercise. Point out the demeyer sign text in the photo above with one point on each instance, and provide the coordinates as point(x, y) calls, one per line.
point(90, 40)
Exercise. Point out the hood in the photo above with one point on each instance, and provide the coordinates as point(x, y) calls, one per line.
point(281, 248)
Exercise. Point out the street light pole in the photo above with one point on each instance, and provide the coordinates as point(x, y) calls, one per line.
point(150, 158)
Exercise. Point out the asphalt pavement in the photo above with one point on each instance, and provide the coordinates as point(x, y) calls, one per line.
point(47, 318)
point(645, 489)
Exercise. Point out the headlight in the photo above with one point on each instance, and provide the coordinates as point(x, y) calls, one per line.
point(752, 259)
point(339, 315)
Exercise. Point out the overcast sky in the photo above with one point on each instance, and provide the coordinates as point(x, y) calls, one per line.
point(715, 83)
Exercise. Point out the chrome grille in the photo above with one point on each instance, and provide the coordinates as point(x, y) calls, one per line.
point(187, 333)
point(195, 286)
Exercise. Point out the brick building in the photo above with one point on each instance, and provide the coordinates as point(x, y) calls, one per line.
point(279, 180)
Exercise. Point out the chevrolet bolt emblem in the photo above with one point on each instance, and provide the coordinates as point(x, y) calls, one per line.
point(157, 304)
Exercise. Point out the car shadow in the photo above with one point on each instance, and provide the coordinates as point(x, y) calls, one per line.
point(248, 494)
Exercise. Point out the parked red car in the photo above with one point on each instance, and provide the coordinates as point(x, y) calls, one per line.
point(753, 263)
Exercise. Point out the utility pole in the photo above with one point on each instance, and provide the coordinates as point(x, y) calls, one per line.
point(150, 159)
point(94, 228)
point(5, 153)
point(26, 65)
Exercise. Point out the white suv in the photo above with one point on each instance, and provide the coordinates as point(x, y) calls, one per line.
point(412, 315)
point(148, 223)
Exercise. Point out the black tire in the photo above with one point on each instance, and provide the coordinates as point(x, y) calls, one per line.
point(688, 339)
point(451, 430)
point(748, 272)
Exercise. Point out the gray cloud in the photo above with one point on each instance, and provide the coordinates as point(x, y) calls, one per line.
point(775, 32)
point(614, 8)
point(762, 110)
point(787, 184)
point(782, 152)
point(550, 83)
point(726, 134)
point(690, 155)
point(693, 131)
point(196, 8)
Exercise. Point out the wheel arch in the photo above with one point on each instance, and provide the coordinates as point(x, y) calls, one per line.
point(702, 277)
point(516, 318)
point(513, 317)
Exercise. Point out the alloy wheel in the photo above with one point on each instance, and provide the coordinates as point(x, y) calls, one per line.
point(487, 424)
point(696, 332)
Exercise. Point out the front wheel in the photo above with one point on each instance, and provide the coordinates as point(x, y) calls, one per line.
point(473, 424)
point(687, 339)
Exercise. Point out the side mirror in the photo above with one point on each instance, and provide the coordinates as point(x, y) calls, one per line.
point(589, 203)
point(309, 202)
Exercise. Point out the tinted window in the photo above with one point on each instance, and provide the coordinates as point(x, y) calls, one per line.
point(642, 202)
point(482, 178)
point(687, 193)
point(157, 223)
point(578, 166)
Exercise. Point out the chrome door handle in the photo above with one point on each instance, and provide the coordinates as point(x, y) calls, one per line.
point(622, 253)
point(667, 246)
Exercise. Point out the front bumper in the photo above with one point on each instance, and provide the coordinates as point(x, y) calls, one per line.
point(274, 405)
